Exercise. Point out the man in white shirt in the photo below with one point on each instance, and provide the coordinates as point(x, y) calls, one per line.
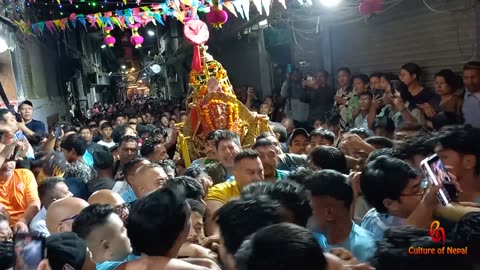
point(50, 190)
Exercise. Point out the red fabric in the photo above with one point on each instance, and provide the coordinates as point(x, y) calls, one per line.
point(197, 60)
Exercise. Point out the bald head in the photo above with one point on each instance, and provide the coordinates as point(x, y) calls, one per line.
point(106, 196)
point(61, 213)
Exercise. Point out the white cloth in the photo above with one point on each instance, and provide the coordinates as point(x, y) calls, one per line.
point(38, 224)
point(120, 187)
point(109, 145)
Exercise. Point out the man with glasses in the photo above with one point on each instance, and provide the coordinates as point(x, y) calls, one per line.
point(395, 191)
point(49, 191)
point(62, 213)
point(105, 196)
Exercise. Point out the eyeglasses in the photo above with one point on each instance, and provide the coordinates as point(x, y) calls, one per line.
point(132, 123)
point(423, 186)
point(122, 211)
point(70, 218)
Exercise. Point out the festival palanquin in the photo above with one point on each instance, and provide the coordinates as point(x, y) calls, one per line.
point(213, 104)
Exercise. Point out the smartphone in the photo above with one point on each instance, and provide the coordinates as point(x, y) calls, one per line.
point(309, 78)
point(18, 117)
point(377, 93)
point(57, 131)
point(396, 85)
point(29, 251)
point(16, 153)
point(436, 173)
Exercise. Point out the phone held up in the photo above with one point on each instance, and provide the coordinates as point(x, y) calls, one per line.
point(29, 251)
point(436, 173)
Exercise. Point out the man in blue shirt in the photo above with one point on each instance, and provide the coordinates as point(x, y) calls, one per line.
point(331, 198)
point(394, 189)
point(471, 100)
point(26, 112)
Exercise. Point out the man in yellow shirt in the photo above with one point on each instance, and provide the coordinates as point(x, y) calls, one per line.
point(247, 169)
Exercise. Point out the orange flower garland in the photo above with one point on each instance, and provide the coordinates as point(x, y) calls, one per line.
point(231, 109)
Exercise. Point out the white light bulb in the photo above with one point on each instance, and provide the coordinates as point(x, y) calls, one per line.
point(151, 33)
point(330, 3)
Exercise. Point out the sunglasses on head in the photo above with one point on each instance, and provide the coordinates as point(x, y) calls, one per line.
point(69, 218)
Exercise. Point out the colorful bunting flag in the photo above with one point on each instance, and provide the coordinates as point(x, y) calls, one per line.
point(246, 8)
point(157, 13)
point(266, 6)
point(229, 6)
point(238, 7)
point(258, 5)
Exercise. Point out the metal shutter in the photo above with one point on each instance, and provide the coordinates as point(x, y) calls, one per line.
point(409, 32)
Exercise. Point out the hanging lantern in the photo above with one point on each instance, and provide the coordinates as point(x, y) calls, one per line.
point(376, 5)
point(109, 40)
point(217, 16)
point(365, 8)
point(136, 39)
point(370, 7)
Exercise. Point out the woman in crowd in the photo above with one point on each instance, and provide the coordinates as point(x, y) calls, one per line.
point(418, 95)
point(449, 110)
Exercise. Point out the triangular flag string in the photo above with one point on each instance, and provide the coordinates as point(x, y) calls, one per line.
point(157, 13)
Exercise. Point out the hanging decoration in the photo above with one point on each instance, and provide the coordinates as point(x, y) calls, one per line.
point(217, 16)
point(109, 40)
point(370, 7)
point(197, 33)
point(183, 10)
point(136, 39)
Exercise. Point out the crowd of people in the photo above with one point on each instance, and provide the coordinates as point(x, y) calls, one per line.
point(337, 183)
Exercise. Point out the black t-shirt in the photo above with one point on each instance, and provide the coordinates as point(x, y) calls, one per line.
point(425, 96)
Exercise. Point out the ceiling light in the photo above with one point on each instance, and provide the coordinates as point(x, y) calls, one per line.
point(103, 46)
point(330, 3)
point(133, 69)
point(156, 68)
point(124, 67)
point(151, 33)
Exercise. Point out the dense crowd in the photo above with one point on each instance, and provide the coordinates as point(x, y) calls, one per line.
point(339, 182)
